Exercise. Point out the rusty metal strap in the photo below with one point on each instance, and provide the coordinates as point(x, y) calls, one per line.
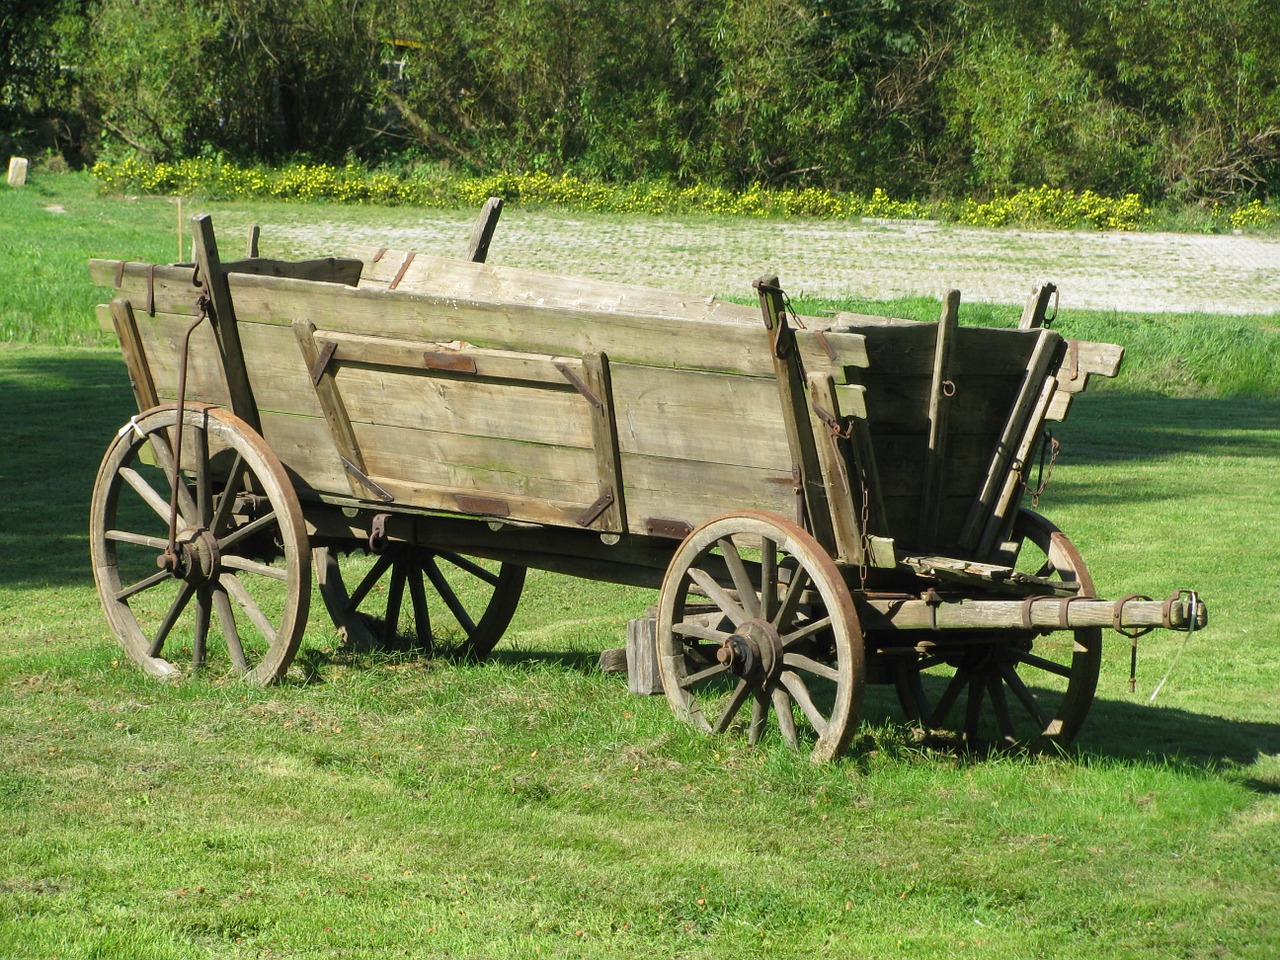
point(1166, 612)
point(829, 418)
point(593, 512)
point(378, 255)
point(1027, 604)
point(401, 272)
point(1117, 617)
point(151, 289)
point(580, 386)
point(1064, 607)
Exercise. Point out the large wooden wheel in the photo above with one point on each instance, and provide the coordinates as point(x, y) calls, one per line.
point(757, 628)
point(240, 569)
point(1013, 687)
point(457, 605)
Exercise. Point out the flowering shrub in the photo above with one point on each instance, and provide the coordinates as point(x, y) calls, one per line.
point(1058, 208)
point(1041, 206)
point(1255, 214)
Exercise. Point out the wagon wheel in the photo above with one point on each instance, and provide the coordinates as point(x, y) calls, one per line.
point(782, 643)
point(241, 560)
point(457, 605)
point(1017, 688)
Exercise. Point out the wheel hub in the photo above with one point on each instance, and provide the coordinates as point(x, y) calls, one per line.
point(755, 650)
point(194, 558)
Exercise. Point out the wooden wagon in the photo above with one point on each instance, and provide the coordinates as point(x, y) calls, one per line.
point(821, 503)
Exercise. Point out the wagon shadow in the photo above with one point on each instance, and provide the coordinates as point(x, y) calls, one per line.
point(59, 414)
point(1128, 732)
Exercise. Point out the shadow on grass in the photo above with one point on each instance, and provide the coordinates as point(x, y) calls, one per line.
point(1129, 731)
point(60, 411)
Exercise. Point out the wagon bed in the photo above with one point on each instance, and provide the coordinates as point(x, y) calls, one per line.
point(820, 500)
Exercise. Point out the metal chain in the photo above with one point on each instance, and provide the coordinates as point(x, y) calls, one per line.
point(1051, 447)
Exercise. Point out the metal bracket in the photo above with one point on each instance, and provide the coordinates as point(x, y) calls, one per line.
point(368, 484)
point(592, 513)
point(580, 386)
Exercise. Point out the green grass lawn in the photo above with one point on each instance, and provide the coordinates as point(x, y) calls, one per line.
point(387, 805)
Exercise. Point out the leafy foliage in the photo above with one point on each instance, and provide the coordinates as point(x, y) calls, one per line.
point(925, 98)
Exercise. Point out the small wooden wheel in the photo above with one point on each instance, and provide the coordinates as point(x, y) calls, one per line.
point(754, 612)
point(240, 550)
point(473, 600)
point(1017, 688)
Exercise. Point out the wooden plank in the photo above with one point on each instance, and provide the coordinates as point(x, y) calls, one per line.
point(525, 411)
point(941, 390)
point(711, 417)
point(171, 292)
point(833, 457)
point(1001, 517)
point(161, 338)
point(793, 396)
point(1037, 307)
point(325, 269)
point(1037, 370)
point(447, 499)
point(335, 413)
point(222, 316)
point(643, 677)
point(135, 357)
point(448, 356)
point(1083, 358)
point(482, 232)
point(531, 328)
point(695, 492)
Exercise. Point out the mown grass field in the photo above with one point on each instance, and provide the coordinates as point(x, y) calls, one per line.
point(388, 805)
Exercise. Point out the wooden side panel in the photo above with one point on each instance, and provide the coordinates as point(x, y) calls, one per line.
point(696, 492)
point(707, 417)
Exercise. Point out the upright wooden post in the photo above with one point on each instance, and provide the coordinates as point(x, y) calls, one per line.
point(1033, 314)
point(222, 316)
point(793, 392)
point(482, 233)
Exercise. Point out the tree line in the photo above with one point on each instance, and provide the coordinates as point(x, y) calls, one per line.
point(1165, 98)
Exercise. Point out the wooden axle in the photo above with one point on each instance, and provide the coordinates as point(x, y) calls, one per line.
point(1036, 613)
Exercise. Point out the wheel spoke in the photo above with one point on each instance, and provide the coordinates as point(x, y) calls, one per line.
point(1031, 660)
point(731, 708)
point(254, 566)
point(449, 597)
point(146, 583)
point(1024, 695)
point(759, 716)
point(147, 492)
point(170, 618)
point(248, 530)
point(742, 581)
point(230, 634)
point(395, 597)
point(370, 579)
point(137, 539)
point(226, 501)
point(240, 593)
point(806, 631)
point(727, 604)
point(791, 602)
point(768, 579)
point(204, 501)
point(469, 566)
point(689, 628)
point(163, 451)
point(949, 697)
point(810, 665)
point(786, 722)
point(973, 706)
point(421, 614)
point(707, 674)
point(199, 645)
point(1000, 706)
point(800, 693)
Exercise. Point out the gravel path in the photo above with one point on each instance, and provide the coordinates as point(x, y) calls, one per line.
point(1121, 271)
